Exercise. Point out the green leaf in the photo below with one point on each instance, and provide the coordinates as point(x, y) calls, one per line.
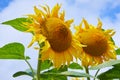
point(113, 73)
point(53, 74)
point(69, 73)
point(52, 77)
point(75, 66)
point(118, 51)
point(27, 57)
point(117, 66)
point(112, 40)
point(12, 51)
point(17, 23)
point(105, 64)
point(46, 64)
point(21, 73)
point(55, 70)
point(74, 74)
point(27, 72)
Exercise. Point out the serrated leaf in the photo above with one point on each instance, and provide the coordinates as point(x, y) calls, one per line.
point(75, 66)
point(17, 23)
point(118, 51)
point(46, 65)
point(113, 73)
point(12, 51)
point(105, 64)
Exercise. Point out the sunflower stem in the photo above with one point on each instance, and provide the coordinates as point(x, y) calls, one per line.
point(30, 68)
point(96, 73)
point(87, 71)
point(39, 66)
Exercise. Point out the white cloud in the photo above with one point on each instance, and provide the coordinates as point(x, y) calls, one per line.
point(89, 9)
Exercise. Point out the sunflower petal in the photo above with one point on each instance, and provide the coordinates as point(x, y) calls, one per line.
point(62, 15)
point(55, 10)
point(39, 13)
point(99, 25)
point(86, 24)
point(33, 40)
point(42, 38)
point(58, 59)
point(68, 57)
point(68, 22)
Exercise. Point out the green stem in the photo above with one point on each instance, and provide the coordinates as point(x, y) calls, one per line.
point(87, 71)
point(38, 67)
point(30, 67)
point(96, 73)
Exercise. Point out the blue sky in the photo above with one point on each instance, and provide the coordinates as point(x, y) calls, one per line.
point(110, 12)
point(4, 3)
point(107, 10)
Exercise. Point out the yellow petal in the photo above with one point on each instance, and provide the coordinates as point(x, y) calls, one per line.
point(68, 57)
point(45, 55)
point(109, 32)
point(62, 15)
point(46, 47)
point(33, 40)
point(55, 10)
point(39, 13)
point(58, 59)
point(99, 25)
point(52, 54)
point(80, 26)
point(86, 24)
point(46, 9)
point(68, 22)
point(41, 38)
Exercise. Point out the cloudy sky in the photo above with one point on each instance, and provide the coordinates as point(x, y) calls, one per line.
point(107, 10)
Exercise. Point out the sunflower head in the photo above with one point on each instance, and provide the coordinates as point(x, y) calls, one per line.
point(98, 41)
point(50, 27)
point(59, 34)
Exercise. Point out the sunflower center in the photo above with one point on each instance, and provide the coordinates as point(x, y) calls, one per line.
point(96, 42)
point(59, 35)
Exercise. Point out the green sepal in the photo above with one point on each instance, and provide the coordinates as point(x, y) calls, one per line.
point(46, 64)
point(118, 51)
point(75, 66)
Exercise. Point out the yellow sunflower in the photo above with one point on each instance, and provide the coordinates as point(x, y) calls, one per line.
point(50, 27)
point(99, 48)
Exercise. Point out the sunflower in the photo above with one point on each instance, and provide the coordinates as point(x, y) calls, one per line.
point(50, 27)
point(99, 48)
